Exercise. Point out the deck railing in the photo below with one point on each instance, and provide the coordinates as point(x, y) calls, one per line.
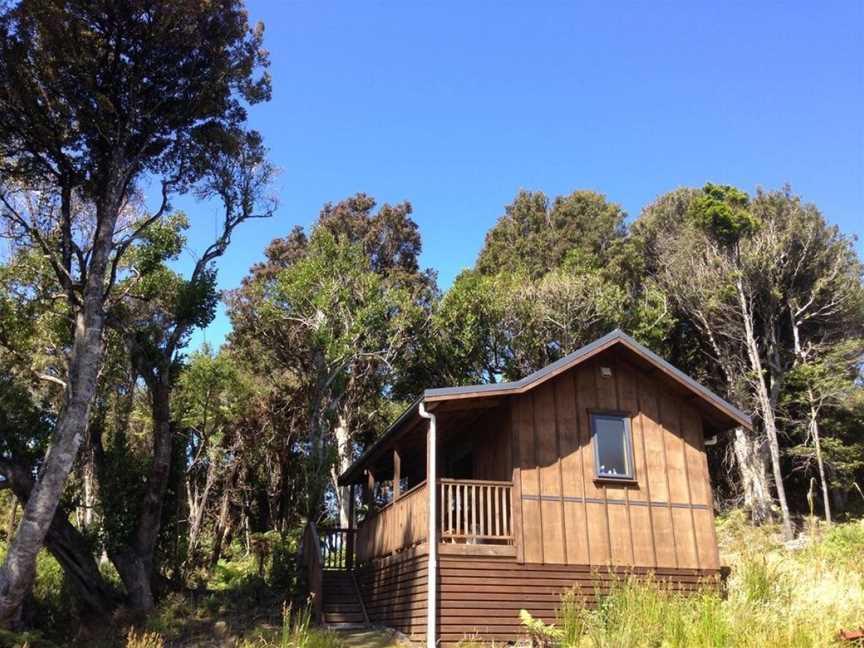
point(399, 525)
point(470, 511)
point(337, 548)
point(476, 511)
point(310, 551)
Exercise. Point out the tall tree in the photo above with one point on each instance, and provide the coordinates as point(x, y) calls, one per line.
point(740, 270)
point(665, 245)
point(95, 96)
point(535, 235)
point(156, 315)
point(338, 312)
point(541, 288)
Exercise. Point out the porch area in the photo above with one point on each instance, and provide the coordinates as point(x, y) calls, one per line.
point(474, 518)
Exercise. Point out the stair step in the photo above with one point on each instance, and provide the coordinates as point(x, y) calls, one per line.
point(343, 618)
point(341, 605)
point(347, 626)
point(346, 607)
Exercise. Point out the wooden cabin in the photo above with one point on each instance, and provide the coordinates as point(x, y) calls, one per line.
point(590, 468)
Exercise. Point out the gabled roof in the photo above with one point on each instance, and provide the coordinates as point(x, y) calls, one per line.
point(617, 338)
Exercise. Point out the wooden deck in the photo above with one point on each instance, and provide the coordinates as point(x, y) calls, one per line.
point(475, 517)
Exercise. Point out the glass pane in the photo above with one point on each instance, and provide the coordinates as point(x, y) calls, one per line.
point(611, 438)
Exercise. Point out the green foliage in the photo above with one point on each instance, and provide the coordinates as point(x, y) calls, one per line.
point(160, 242)
point(724, 212)
point(539, 634)
point(28, 639)
point(331, 321)
point(211, 395)
point(575, 232)
point(25, 427)
point(298, 632)
point(124, 472)
point(776, 598)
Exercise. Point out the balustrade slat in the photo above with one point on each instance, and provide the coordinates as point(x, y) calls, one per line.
point(484, 509)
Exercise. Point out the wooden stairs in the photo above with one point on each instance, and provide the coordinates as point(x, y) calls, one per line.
point(341, 604)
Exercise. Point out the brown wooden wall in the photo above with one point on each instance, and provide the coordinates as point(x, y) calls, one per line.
point(394, 592)
point(566, 516)
point(483, 597)
point(492, 454)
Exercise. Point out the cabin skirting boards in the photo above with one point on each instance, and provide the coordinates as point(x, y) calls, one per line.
point(482, 598)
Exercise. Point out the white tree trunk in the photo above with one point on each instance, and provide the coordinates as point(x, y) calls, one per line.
point(817, 442)
point(343, 450)
point(766, 409)
point(753, 471)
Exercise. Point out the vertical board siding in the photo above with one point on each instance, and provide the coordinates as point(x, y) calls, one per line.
point(564, 515)
point(492, 441)
point(532, 524)
point(598, 521)
point(546, 440)
point(641, 530)
point(577, 547)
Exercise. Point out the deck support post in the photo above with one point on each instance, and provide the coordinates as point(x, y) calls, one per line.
point(370, 491)
point(397, 474)
point(432, 535)
point(352, 525)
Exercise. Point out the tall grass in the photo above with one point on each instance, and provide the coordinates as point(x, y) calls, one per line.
point(776, 598)
point(298, 631)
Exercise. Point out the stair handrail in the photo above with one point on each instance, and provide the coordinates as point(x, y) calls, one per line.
point(310, 548)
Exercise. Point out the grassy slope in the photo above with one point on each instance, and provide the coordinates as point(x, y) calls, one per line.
point(776, 597)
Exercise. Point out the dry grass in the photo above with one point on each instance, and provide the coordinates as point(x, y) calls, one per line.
point(778, 597)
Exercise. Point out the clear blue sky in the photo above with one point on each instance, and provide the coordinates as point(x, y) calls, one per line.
point(455, 106)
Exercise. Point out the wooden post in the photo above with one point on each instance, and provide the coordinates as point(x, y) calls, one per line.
point(370, 491)
point(432, 533)
point(397, 474)
point(352, 526)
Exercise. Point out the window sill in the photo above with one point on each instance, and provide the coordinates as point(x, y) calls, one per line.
point(616, 481)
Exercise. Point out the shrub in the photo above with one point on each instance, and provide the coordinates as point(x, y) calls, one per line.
point(144, 640)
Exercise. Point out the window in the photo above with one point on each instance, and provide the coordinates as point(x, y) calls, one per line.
point(613, 448)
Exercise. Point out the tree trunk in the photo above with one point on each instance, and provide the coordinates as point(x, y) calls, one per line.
point(85, 359)
point(136, 579)
point(221, 529)
point(197, 507)
point(752, 467)
point(13, 518)
point(820, 463)
point(19, 568)
point(135, 562)
point(766, 410)
point(344, 457)
point(68, 546)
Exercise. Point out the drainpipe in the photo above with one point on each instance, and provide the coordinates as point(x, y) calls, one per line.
point(432, 535)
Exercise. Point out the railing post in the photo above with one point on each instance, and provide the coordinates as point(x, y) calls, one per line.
point(397, 474)
point(312, 557)
point(349, 544)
